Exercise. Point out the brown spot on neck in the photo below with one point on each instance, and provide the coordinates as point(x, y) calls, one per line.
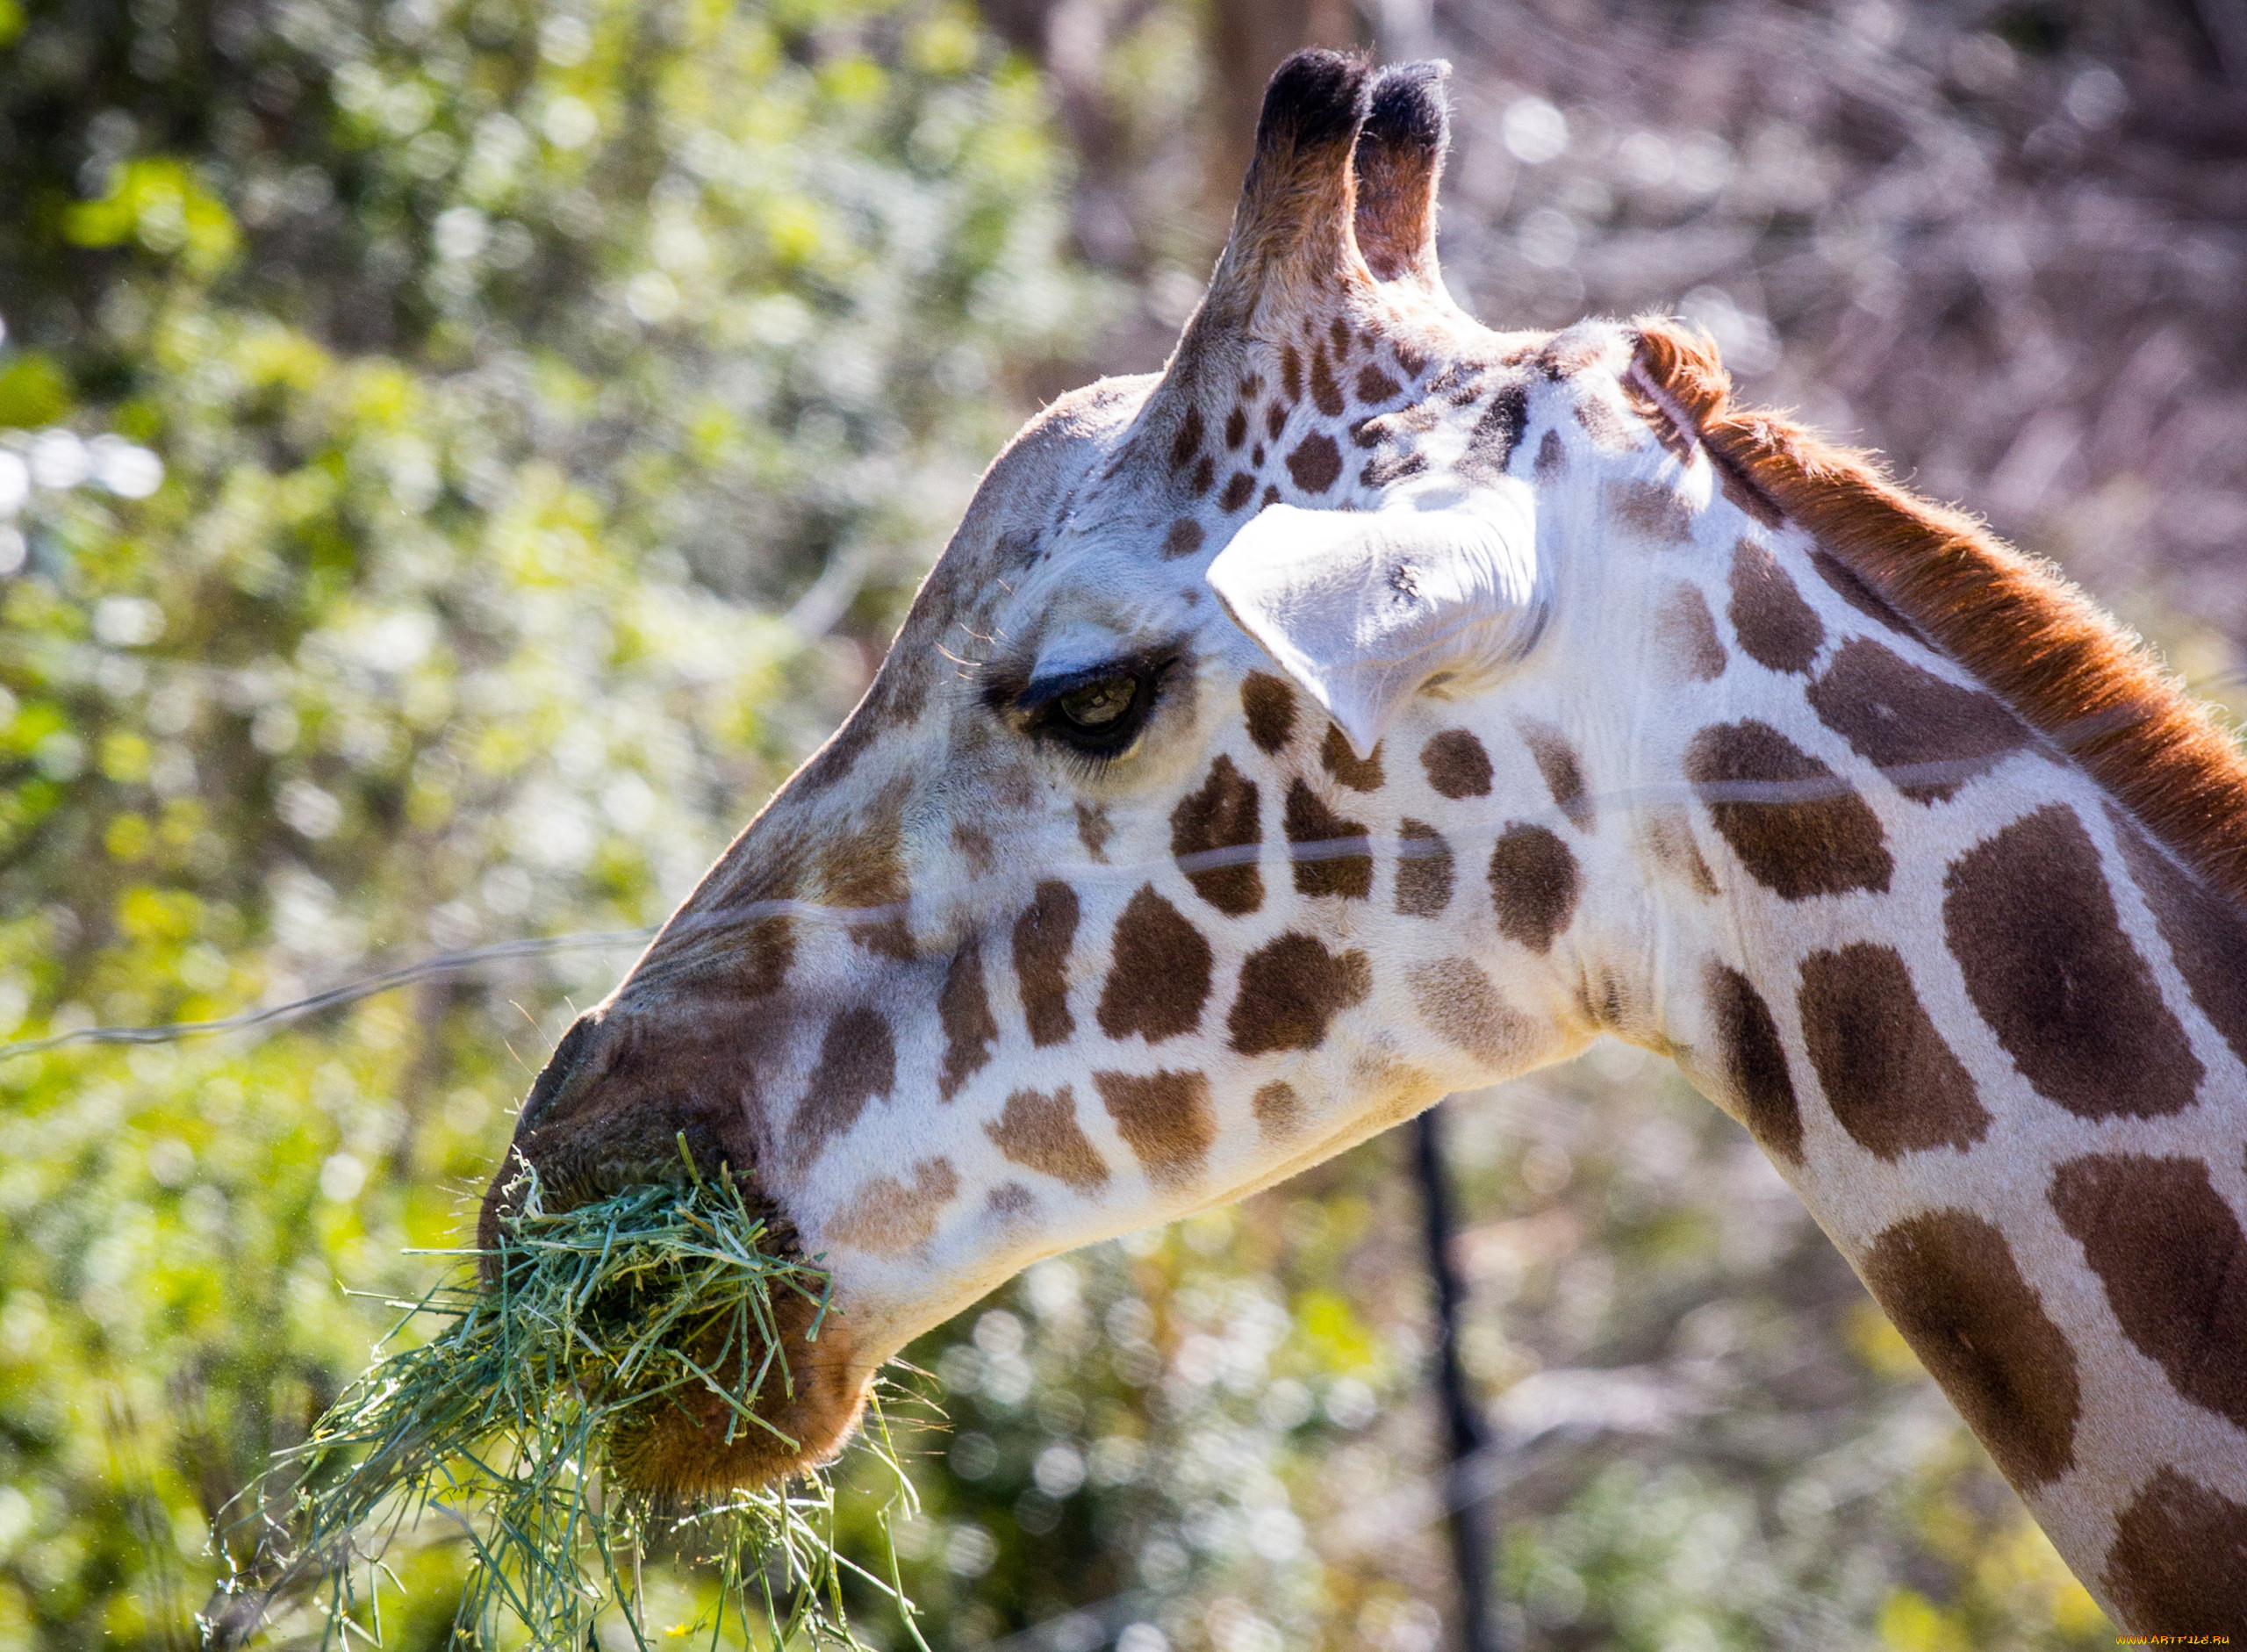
point(2206, 935)
point(1775, 627)
point(1888, 1075)
point(2172, 1256)
point(2029, 918)
point(1752, 1063)
point(1658, 515)
point(1798, 827)
point(2178, 1564)
point(1185, 537)
point(1928, 736)
point(1949, 1282)
point(1687, 633)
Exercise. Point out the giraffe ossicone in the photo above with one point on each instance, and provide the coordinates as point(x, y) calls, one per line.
point(1546, 694)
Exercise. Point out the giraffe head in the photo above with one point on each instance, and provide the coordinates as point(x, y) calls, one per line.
point(1170, 850)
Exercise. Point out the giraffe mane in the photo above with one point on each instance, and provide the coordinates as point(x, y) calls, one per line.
point(2081, 679)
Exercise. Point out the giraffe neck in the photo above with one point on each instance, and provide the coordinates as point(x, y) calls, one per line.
point(1989, 1029)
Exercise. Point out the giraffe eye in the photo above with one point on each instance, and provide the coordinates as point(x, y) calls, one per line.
point(1097, 706)
point(1097, 713)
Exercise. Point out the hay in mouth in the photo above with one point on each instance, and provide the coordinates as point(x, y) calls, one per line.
point(587, 1326)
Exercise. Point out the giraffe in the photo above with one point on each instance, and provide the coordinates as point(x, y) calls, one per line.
point(1371, 705)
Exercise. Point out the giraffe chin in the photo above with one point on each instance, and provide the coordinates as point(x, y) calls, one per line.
point(699, 1449)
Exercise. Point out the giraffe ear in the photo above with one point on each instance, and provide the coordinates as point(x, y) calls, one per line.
point(1365, 610)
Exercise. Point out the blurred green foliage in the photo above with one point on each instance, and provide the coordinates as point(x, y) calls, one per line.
point(456, 456)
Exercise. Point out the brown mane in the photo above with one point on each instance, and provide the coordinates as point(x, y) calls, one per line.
point(2069, 671)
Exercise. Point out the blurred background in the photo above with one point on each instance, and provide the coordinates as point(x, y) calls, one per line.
point(457, 455)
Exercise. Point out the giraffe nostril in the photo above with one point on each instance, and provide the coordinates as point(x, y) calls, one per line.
point(554, 1078)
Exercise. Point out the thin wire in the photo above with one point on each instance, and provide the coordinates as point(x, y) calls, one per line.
point(2068, 737)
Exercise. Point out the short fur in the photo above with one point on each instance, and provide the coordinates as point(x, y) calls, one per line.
point(2012, 621)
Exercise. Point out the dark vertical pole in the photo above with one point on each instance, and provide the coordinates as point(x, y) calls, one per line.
point(1471, 1520)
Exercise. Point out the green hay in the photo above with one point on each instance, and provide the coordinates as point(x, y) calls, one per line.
point(504, 1418)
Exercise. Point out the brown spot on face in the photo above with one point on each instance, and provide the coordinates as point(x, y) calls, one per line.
point(1456, 764)
point(1160, 975)
point(1326, 394)
point(1278, 1109)
point(1256, 457)
point(1657, 514)
point(1374, 384)
point(1275, 421)
point(1271, 497)
point(1534, 883)
point(1340, 861)
point(864, 872)
point(1409, 360)
point(1898, 716)
point(1891, 1078)
point(1424, 870)
point(2030, 920)
point(1339, 330)
point(858, 1061)
point(1187, 441)
point(1010, 1202)
point(1184, 538)
point(1551, 456)
point(1093, 830)
point(1206, 474)
point(1752, 1063)
point(1563, 775)
point(1852, 589)
point(1459, 1004)
point(1165, 1118)
point(1291, 989)
point(889, 1217)
point(1391, 467)
point(1315, 462)
point(1040, 1132)
point(964, 1008)
point(1239, 486)
point(1948, 1280)
point(2179, 1562)
point(2207, 936)
point(1359, 774)
point(1044, 935)
point(1687, 633)
point(1270, 705)
point(1775, 625)
point(2174, 1262)
point(1290, 374)
point(1223, 816)
point(1236, 426)
point(1800, 828)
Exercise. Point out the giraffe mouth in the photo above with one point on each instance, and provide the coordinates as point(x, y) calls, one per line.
point(694, 1446)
